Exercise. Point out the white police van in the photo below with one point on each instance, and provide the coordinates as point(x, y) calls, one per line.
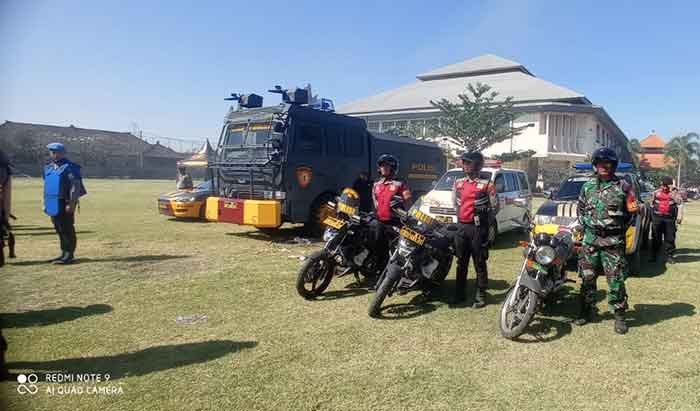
point(512, 189)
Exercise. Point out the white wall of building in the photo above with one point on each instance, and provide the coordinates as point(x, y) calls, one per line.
point(529, 139)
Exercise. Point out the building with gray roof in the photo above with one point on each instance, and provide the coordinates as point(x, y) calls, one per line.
point(564, 125)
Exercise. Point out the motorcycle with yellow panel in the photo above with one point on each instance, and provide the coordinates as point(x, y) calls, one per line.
point(344, 252)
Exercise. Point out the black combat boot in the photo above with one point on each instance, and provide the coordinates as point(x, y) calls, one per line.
point(652, 258)
point(479, 298)
point(60, 257)
point(587, 313)
point(620, 324)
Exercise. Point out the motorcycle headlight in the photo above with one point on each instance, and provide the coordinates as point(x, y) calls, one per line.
point(543, 219)
point(405, 247)
point(545, 255)
point(329, 234)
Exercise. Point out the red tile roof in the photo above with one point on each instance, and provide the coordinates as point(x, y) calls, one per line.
point(652, 141)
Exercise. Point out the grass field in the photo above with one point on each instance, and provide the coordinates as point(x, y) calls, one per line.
point(252, 343)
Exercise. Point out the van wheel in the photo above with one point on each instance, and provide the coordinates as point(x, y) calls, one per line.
point(319, 211)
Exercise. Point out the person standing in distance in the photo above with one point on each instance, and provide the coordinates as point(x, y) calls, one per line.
point(63, 188)
point(668, 211)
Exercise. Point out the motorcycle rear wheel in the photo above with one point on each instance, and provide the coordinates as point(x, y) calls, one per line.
point(522, 309)
point(318, 267)
point(393, 275)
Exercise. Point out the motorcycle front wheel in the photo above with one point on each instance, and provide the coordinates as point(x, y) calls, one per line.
point(315, 275)
point(517, 311)
point(393, 275)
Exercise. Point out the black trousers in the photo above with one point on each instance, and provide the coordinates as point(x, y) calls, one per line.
point(381, 234)
point(64, 224)
point(664, 231)
point(471, 241)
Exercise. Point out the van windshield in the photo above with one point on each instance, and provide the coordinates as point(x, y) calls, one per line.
point(447, 181)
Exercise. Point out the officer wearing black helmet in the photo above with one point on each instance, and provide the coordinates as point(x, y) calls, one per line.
point(386, 191)
point(606, 206)
point(475, 202)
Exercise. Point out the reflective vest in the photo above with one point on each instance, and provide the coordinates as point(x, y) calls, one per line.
point(473, 199)
point(664, 203)
point(382, 192)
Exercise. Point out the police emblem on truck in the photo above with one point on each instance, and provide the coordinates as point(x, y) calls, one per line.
point(304, 175)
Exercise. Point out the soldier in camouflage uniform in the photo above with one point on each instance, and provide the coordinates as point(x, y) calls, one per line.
point(605, 207)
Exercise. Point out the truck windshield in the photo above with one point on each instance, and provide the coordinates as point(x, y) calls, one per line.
point(448, 179)
point(250, 141)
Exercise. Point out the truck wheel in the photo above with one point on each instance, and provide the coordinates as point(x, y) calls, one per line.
point(319, 211)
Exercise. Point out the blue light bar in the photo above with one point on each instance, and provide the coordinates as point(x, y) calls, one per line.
point(589, 167)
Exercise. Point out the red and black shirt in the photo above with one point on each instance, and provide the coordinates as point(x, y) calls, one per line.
point(472, 196)
point(383, 191)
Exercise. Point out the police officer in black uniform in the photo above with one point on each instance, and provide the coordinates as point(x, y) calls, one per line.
point(475, 203)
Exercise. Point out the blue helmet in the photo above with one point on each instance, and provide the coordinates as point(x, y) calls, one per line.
point(58, 147)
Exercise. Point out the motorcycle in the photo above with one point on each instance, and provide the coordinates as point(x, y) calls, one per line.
point(344, 251)
point(542, 275)
point(420, 260)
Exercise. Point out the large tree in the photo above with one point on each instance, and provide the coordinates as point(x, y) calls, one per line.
point(478, 120)
point(683, 149)
point(635, 148)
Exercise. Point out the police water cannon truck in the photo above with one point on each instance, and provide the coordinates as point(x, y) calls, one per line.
point(283, 163)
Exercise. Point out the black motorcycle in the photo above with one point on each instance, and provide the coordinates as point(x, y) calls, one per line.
point(542, 275)
point(345, 250)
point(420, 260)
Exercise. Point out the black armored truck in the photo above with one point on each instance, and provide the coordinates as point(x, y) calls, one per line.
point(283, 163)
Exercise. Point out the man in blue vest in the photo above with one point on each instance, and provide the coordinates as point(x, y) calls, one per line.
point(63, 187)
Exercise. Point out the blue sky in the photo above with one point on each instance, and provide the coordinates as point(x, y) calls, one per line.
point(167, 65)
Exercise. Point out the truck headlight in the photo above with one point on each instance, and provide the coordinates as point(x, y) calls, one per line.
point(185, 199)
point(274, 195)
point(545, 255)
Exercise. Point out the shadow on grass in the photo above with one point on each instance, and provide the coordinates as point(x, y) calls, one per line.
point(284, 235)
point(128, 259)
point(51, 232)
point(496, 291)
point(137, 363)
point(350, 290)
point(509, 239)
point(687, 255)
point(188, 220)
point(31, 228)
point(48, 317)
point(650, 314)
point(416, 307)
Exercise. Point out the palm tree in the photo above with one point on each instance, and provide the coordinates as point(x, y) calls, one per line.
point(682, 149)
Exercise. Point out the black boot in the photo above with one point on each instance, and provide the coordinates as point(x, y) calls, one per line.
point(620, 324)
point(652, 258)
point(60, 257)
point(479, 298)
point(586, 314)
point(67, 259)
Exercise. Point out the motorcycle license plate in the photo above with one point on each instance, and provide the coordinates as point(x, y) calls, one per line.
point(409, 234)
point(334, 222)
point(443, 219)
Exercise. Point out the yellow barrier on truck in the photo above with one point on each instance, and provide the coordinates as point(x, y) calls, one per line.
point(257, 213)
